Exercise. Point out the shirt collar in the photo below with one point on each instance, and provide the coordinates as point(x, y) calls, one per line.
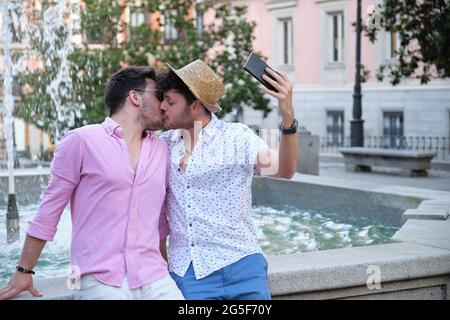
point(210, 130)
point(207, 132)
point(110, 125)
point(113, 127)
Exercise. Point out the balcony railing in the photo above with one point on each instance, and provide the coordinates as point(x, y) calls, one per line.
point(440, 145)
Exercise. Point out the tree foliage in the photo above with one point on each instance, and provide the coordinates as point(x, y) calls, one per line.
point(423, 28)
point(224, 44)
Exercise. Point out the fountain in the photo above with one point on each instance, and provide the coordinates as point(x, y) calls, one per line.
point(58, 46)
point(413, 263)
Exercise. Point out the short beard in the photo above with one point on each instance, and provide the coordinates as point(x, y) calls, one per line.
point(150, 125)
point(186, 121)
point(154, 126)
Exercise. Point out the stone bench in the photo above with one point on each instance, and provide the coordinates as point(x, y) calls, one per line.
point(411, 163)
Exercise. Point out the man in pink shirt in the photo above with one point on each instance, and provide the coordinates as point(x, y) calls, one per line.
point(115, 176)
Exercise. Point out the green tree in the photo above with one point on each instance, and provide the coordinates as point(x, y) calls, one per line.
point(224, 44)
point(235, 35)
point(423, 28)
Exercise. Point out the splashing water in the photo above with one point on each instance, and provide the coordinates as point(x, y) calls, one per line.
point(55, 258)
point(52, 24)
point(43, 42)
point(35, 38)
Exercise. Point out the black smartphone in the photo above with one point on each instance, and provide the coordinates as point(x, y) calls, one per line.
point(257, 67)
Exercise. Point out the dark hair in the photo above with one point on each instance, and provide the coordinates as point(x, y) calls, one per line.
point(121, 82)
point(168, 80)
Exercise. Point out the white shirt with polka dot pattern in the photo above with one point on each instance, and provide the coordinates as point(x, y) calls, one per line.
point(209, 204)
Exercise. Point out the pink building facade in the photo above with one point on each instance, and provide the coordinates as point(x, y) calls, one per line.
point(313, 41)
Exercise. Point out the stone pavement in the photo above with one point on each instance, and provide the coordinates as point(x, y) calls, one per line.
point(436, 180)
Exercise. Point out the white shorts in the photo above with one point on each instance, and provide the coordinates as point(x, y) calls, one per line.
point(162, 289)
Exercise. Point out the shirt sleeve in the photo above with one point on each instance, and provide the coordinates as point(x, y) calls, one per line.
point(254, 145)
point(65, 175)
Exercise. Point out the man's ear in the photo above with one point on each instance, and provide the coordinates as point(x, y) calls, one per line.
point(197, 107)
point(134, 97)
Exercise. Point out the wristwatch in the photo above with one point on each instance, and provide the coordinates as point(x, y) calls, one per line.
point(291, 130)
point(20, 269)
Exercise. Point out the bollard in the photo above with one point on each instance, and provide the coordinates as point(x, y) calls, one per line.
point(308, 160)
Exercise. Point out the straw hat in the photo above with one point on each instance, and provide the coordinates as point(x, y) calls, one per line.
point(203, 82)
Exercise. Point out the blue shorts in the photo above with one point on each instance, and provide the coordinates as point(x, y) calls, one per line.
point(245, 279)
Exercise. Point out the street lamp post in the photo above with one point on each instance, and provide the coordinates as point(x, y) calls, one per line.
point(357, 124)
point(12, 214)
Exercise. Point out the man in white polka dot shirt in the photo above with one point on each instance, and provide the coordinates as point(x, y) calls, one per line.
point(213, 247)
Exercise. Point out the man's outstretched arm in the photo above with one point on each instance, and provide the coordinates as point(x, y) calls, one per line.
point(280, 163)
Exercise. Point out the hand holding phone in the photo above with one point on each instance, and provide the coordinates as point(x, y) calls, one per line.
point(270, 78)
point(257, 67)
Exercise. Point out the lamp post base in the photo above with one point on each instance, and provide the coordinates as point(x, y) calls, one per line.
point(12, 220)
point(356, 133)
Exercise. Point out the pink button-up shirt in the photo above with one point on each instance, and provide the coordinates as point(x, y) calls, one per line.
point(118, 217)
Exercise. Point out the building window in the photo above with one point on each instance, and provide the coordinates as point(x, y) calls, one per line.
point(335, 128)
point(76, 23)
point(393, 129)
point(171, 34)
point(393, 44)
point(336, 36)
point(137, 18)
point(199, 23)
point(287, 41)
